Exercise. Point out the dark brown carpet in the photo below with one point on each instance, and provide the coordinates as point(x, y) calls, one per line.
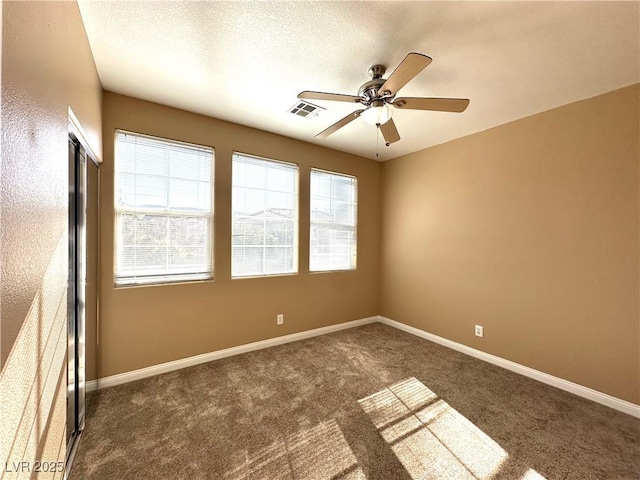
point(366, 403)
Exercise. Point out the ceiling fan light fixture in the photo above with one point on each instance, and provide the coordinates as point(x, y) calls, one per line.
point(377, 114)
point(378, 95)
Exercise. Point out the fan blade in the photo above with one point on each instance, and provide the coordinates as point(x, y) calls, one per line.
point(411, 66)
point(438, 104)
point(336, 97)
point(339, 124)
point(390, 132)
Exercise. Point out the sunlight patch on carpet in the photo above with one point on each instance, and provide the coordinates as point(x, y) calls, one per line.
point(317, 453)
point(532, 475)
point(430, 438)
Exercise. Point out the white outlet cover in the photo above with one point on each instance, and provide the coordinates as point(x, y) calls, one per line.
point(479, 331)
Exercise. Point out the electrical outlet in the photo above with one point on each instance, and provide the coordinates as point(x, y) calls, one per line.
point(479, 331)
point(280, 319)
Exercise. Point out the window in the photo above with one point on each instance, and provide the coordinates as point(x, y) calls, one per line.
point(163, 205)
point(264, 217)
point(333, 222)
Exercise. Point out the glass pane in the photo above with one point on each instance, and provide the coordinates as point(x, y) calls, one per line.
point(248, 231)
point(186, 258)
point(141, 191)
point(151, 160)
point(238, 201)
point(278, 232)
point(247, 261)
point(281, 180)
point(320, 209)
point(277, 261)
point(204, 196)
point(255, 176)
point(280, 203)
point(189, 231)
point(264, 222)
point(320, 184)
point(333, 222)
point(186, 165)
point(254, 201)
point(342, 213)
point(342, 189)
point(171, 178)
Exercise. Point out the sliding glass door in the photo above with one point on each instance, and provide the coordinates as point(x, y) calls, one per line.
point(76, 294)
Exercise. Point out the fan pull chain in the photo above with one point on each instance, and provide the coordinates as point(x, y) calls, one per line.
point(377, 139)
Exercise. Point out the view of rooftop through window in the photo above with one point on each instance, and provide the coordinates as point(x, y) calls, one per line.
point(163, 203)
point(333, 239)
point(264, 217)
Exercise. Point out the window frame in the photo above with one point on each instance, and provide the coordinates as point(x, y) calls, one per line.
point(166, 278)
point(355, 218)
point(296, 218)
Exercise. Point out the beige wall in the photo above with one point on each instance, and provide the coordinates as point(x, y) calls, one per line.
point(143, 326)
point(530, 229)
point(47, 67)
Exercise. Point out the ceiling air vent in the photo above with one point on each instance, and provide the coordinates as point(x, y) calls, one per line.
point(305, 109)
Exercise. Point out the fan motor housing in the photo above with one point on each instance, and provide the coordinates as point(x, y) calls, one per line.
point(369, 90)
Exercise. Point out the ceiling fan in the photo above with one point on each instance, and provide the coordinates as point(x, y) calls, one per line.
point(378, 95)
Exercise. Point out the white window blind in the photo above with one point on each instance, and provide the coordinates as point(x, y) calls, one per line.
point(333, 239)
point(264, 217)
point(163, 205)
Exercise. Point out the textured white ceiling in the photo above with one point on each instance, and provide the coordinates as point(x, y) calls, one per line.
point(245, 61)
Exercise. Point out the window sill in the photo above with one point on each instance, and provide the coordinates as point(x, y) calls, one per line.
point(162, 284)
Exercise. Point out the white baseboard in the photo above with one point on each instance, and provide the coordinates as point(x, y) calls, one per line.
point(134, 375)
point(585, 392)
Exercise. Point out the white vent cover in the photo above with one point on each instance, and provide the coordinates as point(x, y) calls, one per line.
point(305, 109)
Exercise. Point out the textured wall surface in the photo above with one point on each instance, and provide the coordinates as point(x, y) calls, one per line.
point(47, 68)
point(143, 326)
point(530, 229)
